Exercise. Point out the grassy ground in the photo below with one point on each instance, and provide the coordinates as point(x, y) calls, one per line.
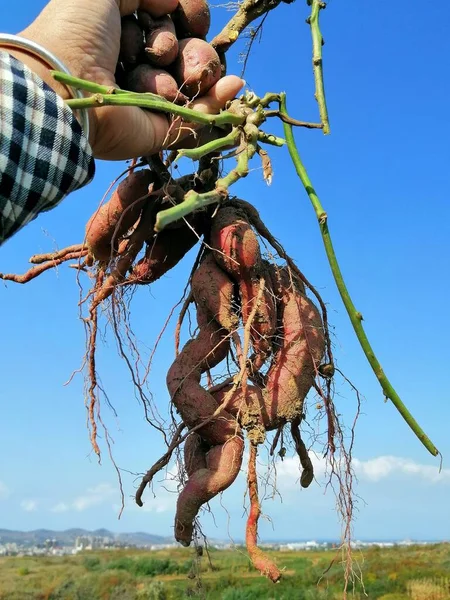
point(416, 573)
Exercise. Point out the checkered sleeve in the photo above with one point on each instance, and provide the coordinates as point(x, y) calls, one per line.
point(44, 154)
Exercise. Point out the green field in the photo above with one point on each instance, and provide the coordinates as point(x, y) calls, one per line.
point(416, 572)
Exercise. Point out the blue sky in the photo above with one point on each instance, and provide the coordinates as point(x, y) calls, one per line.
point(384, 179)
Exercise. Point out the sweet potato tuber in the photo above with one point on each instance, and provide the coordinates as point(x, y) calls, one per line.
point(157, 9)
point(221, 437)
point(236, 245)
point(193, 402)
point(131, 41)
point(106, 226)
point(294, 365)
point(213, 291)
point(145, 78)
point(213, 471)
point(197, 67)
point(164, 252)
point(192, 18)
point(237, 252)
point(161, 44)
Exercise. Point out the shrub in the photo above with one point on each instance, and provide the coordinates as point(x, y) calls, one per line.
point(429, 589)
point(156, 590)
point(91, 563)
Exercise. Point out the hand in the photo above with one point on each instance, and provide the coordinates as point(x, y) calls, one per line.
point(85, 36)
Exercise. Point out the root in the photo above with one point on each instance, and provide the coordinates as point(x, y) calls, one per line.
point(124, 262)
point(276, 439)
point(44, 264)
point(308, 469)
point(38, 259)
point(92, 391)
point(259, 559)
point(138, 383)
point(188, 301)
point(160, 463)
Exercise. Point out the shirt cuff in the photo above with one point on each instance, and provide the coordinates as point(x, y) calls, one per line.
point(44, 154)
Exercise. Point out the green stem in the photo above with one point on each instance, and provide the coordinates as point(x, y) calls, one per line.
point(87, 86)
point(269, 98)
point(273, 140)
point(195, 201)
point(109, 96)
point(317, 39)
point(196, 153)
point(192, 201)
point(153, 102)
point(355, 316)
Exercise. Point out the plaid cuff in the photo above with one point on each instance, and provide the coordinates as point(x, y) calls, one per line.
point(44, 154)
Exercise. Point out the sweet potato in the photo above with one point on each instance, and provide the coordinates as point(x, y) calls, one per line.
point(238, 253)
point(161, 44)
point(193, 402)
point(159, 9)
point(192, 18)
point(235, 242)
point(222, 438)
point(197, 67)
point(146, 20)
point(164, 252)
point(131, 41)
point(264, 322)
point(145, 78)
point(213, 291)
point(107, 225)
point(221, 467)
point(291, 373)
point(294, 365)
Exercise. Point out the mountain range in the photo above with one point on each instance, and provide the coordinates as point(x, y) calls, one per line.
point(67, 537)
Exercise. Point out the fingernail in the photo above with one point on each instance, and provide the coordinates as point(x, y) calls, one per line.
point(244, 83)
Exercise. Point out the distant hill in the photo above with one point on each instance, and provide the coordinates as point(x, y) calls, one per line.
point(67, 537)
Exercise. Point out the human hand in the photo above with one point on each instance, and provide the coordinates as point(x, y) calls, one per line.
point(85, 35)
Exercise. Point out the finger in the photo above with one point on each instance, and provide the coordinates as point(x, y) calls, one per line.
point(224, 90)
point(157, 8)
point(129, 132)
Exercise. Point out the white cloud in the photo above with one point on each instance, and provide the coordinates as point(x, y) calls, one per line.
point(375, 469)
point(288, 471)
point(60, 507)
point(4, 491)
point(29, 505)
point(378, 468)
point(94, 496)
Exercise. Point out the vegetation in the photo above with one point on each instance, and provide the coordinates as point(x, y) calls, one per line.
point(400, 573)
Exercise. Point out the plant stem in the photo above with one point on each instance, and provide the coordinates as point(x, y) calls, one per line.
point(291, 121)
point(273, 140)
point(153, 102)
point(109, 96)
point(248, 11)
point(317, 39)
point(195, 201)
point(87, 86)
point(192, 201)
point(355, 316)
point(196, 153)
